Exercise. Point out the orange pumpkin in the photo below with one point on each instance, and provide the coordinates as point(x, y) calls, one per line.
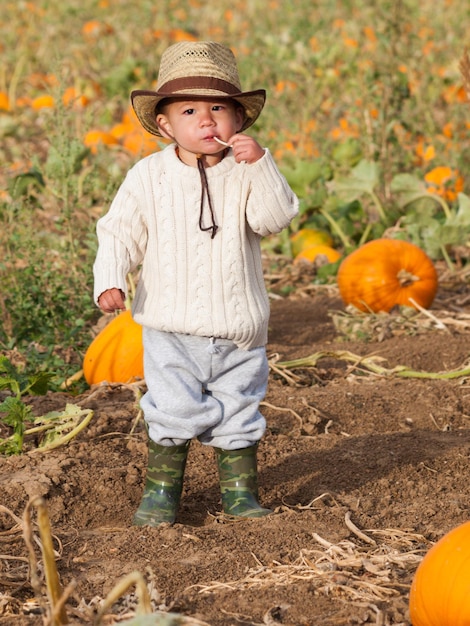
point(4, 101)
point(440, 591)
point(445, 182)
point(139, 143)
point(72, 97)
point(45, 101)
point(116, 354)
point(307, 237)
point(94, 29)
point(95, 138)
point(384, 273)
point(320, 250)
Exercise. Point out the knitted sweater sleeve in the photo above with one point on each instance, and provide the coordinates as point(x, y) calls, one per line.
point(271, 204)
point(122, 238)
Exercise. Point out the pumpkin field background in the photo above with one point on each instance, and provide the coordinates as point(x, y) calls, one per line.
point(365, 461)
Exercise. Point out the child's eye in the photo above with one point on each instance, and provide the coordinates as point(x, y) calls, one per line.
point(217, 107)
point(188, 111)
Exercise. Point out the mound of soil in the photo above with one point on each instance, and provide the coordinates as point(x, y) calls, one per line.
point(364, 471)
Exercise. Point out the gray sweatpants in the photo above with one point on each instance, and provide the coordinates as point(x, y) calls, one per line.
point(201, 389)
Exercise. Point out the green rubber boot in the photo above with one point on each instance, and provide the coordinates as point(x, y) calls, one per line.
point(163, 485)
point(239, 482)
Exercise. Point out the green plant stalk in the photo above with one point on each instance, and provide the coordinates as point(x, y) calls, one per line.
point(443, 203)
point(365, 234)
point(447, 258)
point(286, 245)
point(16, 77)
point(69, 436)
point(378, 206)
point(337, 229)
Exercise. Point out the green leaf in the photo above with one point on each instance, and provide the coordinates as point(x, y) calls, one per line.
point(421, 212)
point(462, 216)
point(348, 153)
point(10, 383)
point(363, 179)
point(39, 383)
point(10, 378)
point(63, 162)
point(20, 383)
point(61, 426)
point(23, 184)
point(305, 174)
point(432, 238)
point(16, 414)
point(408, 188)
point(10, 446)
point(6, 366)
point(433, 234)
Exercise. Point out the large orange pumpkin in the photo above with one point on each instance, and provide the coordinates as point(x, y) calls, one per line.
point(384, 273)
point(440, 591)
point(116, 354)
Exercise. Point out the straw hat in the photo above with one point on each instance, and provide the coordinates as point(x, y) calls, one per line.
point(196, 69)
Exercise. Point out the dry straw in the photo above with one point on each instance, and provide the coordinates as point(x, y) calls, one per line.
point(464, 66)
point(364, 570)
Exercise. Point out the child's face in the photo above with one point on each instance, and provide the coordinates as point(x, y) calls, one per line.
point(193, 124)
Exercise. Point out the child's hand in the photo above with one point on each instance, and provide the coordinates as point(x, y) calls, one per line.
point(245, 148)
point(111, 300)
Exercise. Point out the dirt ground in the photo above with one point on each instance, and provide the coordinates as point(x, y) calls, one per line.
point(363, 471)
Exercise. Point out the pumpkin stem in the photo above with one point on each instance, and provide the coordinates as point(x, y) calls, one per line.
point(131, 292)
point(406, 278)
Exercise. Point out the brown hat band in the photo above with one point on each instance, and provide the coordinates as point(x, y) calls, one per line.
point(198, 82)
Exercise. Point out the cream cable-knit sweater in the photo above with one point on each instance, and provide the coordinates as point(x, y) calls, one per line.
point(190, 283)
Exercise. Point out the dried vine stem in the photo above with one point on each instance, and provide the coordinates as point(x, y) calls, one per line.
point(134, 578)
point(353, 528)
point(284, 410)
point(371, 364)
point(57, 599)
point(428, 314)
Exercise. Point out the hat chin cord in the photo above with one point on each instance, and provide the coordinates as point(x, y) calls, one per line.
point(205, 192)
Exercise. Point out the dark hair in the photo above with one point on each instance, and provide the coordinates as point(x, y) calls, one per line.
point(160, 107)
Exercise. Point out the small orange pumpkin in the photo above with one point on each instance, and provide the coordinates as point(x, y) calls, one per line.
point(139, 143)
point(94, 29)
point(311, 253)
point(116, 354)
point(384, 273)
point(307, 237)
point(444, 181)
point(95, 137)
point(46, 101)
point(4, 101)
point(72, 97)
point(440, 590)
